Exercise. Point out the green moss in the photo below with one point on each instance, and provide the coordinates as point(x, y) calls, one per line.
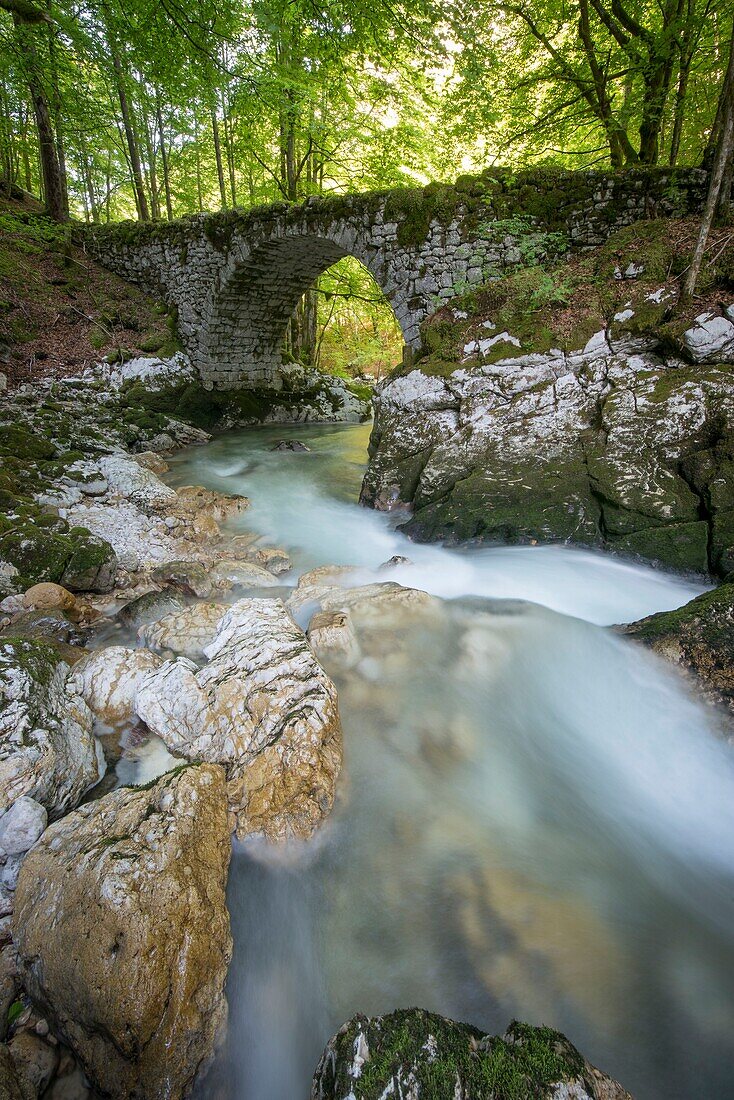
point(716, 603)
point(38, 658)
point(20, 443)
point(525, 1063)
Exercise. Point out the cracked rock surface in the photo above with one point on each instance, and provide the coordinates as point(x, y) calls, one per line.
point(263, 708)
point(122, 931)
point(617, 445)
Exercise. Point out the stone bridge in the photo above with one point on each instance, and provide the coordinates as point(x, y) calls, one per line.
point(235, 278)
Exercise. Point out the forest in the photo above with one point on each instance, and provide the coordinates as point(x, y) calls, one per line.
point(140, 109)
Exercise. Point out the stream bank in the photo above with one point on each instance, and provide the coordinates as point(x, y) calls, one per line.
point(197, 572)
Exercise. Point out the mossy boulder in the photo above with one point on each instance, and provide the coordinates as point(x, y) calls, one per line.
point(698, 637)
point(417, 1053)
point(77, 560)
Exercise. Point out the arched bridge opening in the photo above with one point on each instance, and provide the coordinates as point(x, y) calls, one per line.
point(259, 295)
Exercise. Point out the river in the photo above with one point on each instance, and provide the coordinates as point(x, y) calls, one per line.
point(540, 828)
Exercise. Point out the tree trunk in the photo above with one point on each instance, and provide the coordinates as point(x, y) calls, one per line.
point(152, 167)
point(164, 158)
point(54, 184)
point(218, 155)
point(719, 170)
point(136, 168)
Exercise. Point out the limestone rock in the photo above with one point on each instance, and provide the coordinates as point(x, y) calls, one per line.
point(710, 340)
point(149, 460)
point(699, 638)
point(46, 746)
point(332, 638)
point(289, 445)
point(272, 558)
point(135, 483)
point(123, 935)
point(195, 500)
point(53, 624)
point(9, 1085)
point(189, 577)
point(45, 596)
point(186, 632)
point(22, 825)
point(263, 708)
point(243, 574)
point(148, 608)
point(423, 1056)
point(630, 451)
point(35, 1063)
point(108, 679)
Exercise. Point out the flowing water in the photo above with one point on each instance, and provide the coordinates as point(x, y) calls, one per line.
point(534, 820)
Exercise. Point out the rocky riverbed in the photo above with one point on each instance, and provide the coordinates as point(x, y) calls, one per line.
point(135, 624)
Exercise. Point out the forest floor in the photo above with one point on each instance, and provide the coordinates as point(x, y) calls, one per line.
point(59, 310)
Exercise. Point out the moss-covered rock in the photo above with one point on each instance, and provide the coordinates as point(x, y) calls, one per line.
point(77, 560)
point(417, 1053)
point(700, 638)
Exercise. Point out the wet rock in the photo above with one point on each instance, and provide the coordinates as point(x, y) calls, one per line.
point(274, 559)
point(9, 983)
point(148, 608)
point(22, 825)
point(186, 632)
point(699, 638)
point(626, 451)
point(47, 751)
point(53, 624)
point(42, 597)
point(195, 500)
point(244, 574)
point(123, 935)
point(332, 638)
point(289, 445)
point(189, 577)
point(262, 707)
point(394, 561)
point(108, 679)
point(423, 1056)
point(72, 1086)
point(35, 1063)
point(9, 1084)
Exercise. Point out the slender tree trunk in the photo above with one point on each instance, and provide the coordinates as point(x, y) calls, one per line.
point(164, 157)
point(152, 167)
point(136, 168)
point(197, 152)
point(218, 156)
point(54, 185)
point(91, 199)
point(721, 166)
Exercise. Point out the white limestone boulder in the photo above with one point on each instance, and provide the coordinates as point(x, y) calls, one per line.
point(263, 708)
point(47, 751)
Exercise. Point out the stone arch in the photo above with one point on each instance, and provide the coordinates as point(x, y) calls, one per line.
point(257, 293)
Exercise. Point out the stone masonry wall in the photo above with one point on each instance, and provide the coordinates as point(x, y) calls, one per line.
point(235, 278)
